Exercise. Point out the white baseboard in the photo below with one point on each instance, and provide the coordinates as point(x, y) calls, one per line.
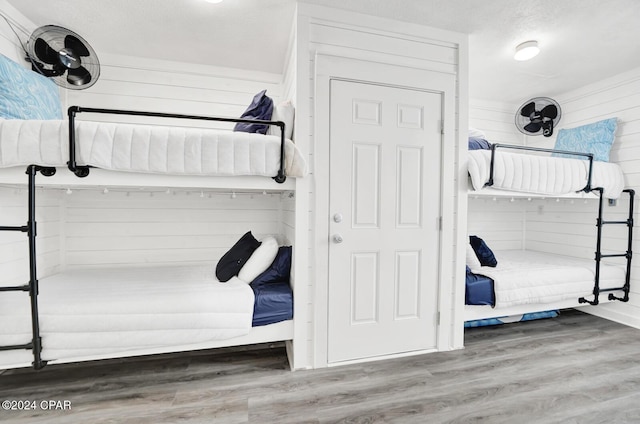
point(612, 313)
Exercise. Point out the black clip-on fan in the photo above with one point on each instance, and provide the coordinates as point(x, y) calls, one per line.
point(539, 113)
point(55, 51)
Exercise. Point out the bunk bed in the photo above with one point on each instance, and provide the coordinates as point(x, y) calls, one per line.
point(525, 284)
point(79, 315)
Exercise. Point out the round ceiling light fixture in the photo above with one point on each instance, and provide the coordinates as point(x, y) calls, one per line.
point(527, 50)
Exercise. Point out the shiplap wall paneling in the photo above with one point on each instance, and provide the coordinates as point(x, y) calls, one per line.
point(564, 227)
point(568, 227)
point(14, 246)
point(496, 120)
point(161, 86)
point(140, 227)
point(500, 222)
point(10, 42)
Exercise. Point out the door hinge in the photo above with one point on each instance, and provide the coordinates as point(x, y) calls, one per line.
point(439, 223)
point(442, 126)
point(438, 318)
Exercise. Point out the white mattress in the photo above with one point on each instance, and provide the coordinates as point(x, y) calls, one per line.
point(528, 277)
point(543, 174)
point(147, 148)
point(98, 312)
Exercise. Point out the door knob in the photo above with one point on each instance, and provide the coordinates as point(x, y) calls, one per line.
point(338, 238)
point(337, 217)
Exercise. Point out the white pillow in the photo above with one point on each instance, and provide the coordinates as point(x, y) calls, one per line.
point(475, 133)
point(283, 112)
point(260, 260)
point(472, 260)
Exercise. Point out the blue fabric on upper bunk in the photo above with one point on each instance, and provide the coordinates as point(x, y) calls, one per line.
point(479, 290)
point(273, 303)
point(477, 143)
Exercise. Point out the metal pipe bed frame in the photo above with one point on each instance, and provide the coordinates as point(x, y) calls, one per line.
point(81, 171)
point(600, 222)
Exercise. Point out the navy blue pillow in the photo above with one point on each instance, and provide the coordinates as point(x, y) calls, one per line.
point(484, 254)
point(476, 143)
point(232, 262)
point(278, 271)
point(260, 108)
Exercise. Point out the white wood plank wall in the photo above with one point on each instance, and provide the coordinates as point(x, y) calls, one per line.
point(141, 227)
point(161, 86)
point(500, 222)
point(14, 247)
point(496, 120)
point(10, 46)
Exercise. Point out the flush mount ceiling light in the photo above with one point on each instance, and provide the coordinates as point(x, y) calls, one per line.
point(527, 50)
point(213, 1)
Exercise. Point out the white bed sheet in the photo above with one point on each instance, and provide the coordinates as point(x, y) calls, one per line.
point(528, 277)
point(109, 311)
point(147, 148)
point(543, 174)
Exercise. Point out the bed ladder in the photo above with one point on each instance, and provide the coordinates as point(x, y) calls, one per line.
point(628, 254)
point(32, 286)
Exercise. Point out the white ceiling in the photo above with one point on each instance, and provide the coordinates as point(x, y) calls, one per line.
point(582, 41)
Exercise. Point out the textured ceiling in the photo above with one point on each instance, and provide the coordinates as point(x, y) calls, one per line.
point(582, 41)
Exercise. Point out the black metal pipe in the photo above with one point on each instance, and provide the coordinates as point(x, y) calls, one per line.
point(281, 177)
point(83, 171)
point(32, 233)
point(26, 346)
point(22, 228)
point(627, 279)
point(598, 254)
point(494, 147)
point(33, 273)
point(24, 288)
point(614, 289)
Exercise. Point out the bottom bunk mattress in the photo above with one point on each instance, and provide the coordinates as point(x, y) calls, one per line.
point(98, 312)
point(528, 277)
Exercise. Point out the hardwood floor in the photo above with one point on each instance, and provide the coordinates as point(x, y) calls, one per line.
point(572, 369)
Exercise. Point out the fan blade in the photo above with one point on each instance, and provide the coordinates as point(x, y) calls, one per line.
point(528, 109)
point(78, 76)
point(44, 52)
point(533, 127)
point(71, 42)
point(549, 111)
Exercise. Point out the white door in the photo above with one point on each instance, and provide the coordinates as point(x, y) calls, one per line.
point(385, 175)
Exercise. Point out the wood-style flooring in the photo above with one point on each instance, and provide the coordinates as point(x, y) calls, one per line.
point(572, 369)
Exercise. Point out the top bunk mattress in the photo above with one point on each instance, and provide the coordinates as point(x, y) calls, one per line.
point(147, 148)
point(545, 175)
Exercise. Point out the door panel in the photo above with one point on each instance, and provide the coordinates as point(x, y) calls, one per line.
point(385, 166)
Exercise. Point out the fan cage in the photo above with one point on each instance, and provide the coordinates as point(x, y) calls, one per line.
point(540, 102)
point(55, 36)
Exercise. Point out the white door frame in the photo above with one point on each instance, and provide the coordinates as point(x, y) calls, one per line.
point(328, 67)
